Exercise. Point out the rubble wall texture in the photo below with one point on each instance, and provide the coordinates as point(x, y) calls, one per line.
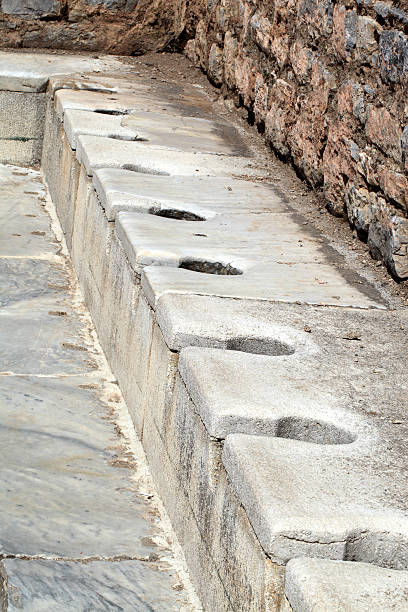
point(327, 82)
point(128, 27)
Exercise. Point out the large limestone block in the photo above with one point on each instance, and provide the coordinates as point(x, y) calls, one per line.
point(317, 585)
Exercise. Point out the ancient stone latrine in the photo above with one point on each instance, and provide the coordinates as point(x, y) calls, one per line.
point(246, 346)
point(325, 80)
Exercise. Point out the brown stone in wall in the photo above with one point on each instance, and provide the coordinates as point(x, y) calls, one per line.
point(339, 167)
point(281, 116)
point(384, 131)
point(307, 137)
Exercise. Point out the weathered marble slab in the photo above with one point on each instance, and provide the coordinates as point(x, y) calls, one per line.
point(151, 159)
point(187, 133)
point(27, 226)
point(30, 71)
point(36, 586)
point(120, 95)
point(188, 196)
point(307, 283)
point(180, 133)
point(239, 391)
point(312, 585)
point(313, 500)
point(64, 489)
point(78, 122)
point(35, 312)
point(118, 103)
point(25, 280)
point(241, 241)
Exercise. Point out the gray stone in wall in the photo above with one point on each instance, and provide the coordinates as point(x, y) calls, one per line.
point(114, 5)
point(393, 56)
point(31, 8)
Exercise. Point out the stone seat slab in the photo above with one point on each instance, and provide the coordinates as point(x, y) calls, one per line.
point(141, 157)
point(186, 133)
point(105, 101)
point(78, 122)
point(240, 392)
point(314, 283)
point(181, 133)
point(313, 500)
point(30, 72)
point(319, 585)
point(141, 96)
point(243, 241)
point(123, 190)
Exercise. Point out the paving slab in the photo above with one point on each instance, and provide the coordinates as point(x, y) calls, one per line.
point(197, 198)
point(22, 200)
point(75, 486)
point(142, 157)
point(314, 500)
point(318, 585)
point(34, 305)
point(62, 494)
point(29, 72)
point(60, 586)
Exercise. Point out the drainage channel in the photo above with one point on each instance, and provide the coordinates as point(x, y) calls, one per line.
point(82, 527)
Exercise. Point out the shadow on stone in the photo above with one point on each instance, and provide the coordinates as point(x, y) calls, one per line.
point(259, 346)
point(310, 430)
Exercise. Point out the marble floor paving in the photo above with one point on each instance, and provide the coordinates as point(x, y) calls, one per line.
point(81, 527)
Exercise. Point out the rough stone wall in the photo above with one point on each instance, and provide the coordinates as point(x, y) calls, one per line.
point(113, 26)
point(326, 81)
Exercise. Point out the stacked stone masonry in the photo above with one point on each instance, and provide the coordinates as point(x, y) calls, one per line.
point(231, 329)
point(326, 81)
point(130, 27)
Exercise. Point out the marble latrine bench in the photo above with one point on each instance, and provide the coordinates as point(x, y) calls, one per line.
point(224, 320)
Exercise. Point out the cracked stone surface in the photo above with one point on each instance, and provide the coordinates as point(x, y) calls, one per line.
point(73, 483)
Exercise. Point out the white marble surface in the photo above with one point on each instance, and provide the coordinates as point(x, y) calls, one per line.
point(74, 485)
point(27, 72)
point(123, 190)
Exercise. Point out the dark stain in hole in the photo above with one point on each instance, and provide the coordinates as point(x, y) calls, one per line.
point(103, 111)
point(209, 267)
point(171, 213)
point(311, 430)
point(259, 346)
